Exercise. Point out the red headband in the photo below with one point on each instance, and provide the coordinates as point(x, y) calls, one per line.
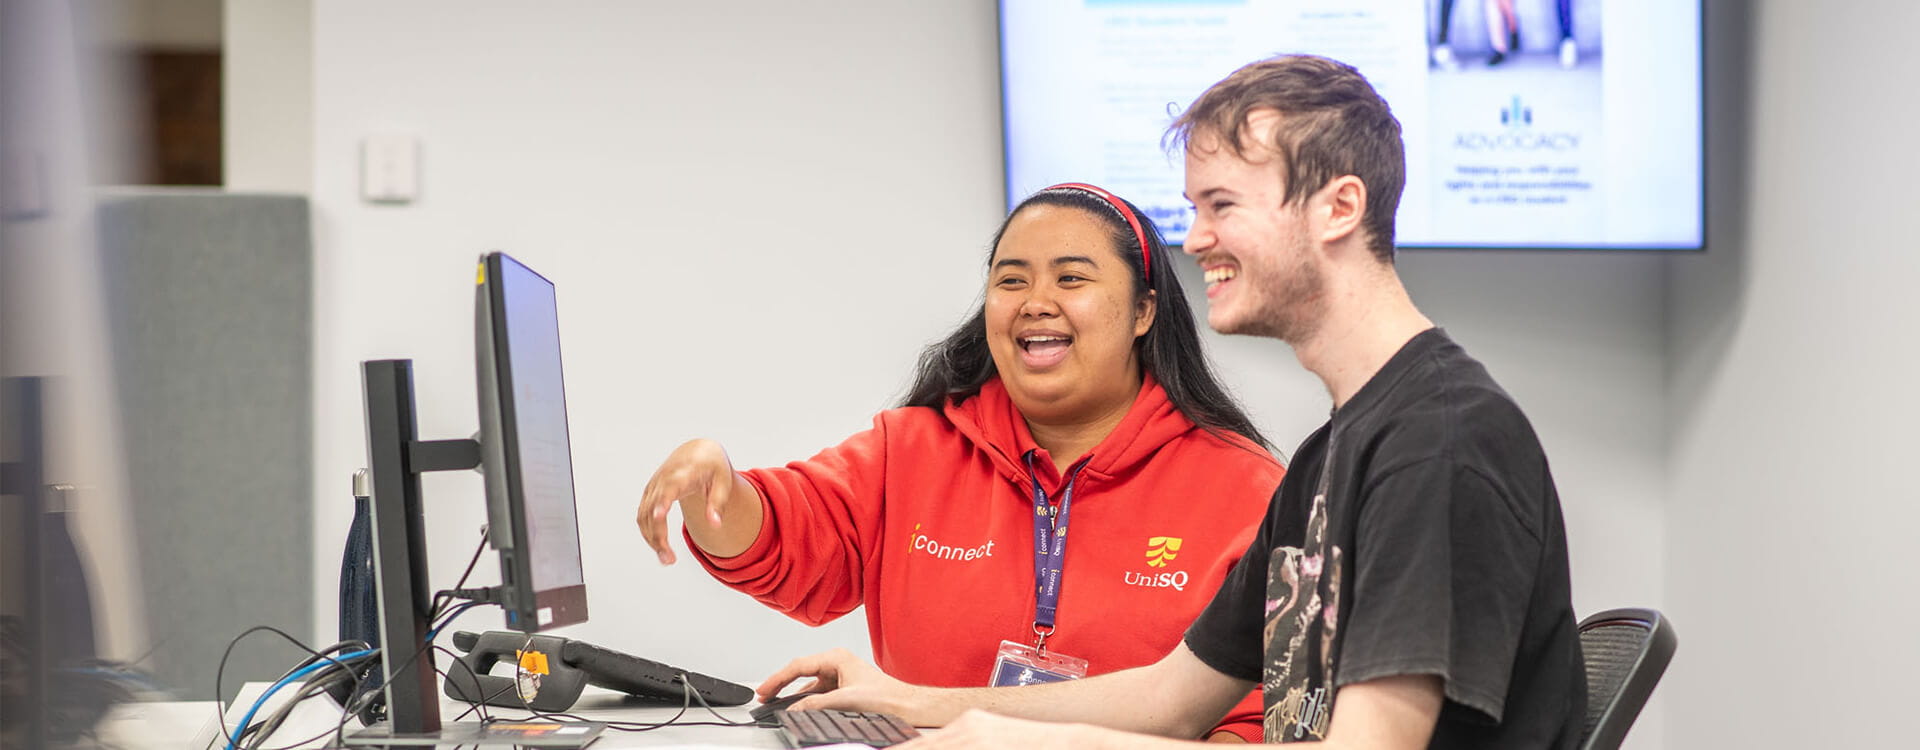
point(1146, 263)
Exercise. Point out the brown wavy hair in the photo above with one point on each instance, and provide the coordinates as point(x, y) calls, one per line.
point(1332, 124)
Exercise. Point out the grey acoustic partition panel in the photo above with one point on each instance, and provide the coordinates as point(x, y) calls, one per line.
point(209, 301)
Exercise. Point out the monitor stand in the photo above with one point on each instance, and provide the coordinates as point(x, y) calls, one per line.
point(397, 459)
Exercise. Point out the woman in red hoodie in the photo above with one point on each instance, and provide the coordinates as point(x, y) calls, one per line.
point(1077, 396)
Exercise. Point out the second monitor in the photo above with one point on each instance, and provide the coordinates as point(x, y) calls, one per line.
point(525, 453)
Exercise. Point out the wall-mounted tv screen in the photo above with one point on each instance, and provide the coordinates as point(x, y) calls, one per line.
point(1528, 123)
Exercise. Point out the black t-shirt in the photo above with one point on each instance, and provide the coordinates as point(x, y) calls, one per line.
point(1416, 533)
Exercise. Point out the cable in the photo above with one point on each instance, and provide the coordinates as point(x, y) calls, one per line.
point(339, 729)
point(343, 646)
point(247, 718)
point(459, 587)
point(473, 705)
point(326, 682)
point(360, 700)
point(686, 684)
point(481, 547)
point(220, 673)
point(319, 659)
point(314, 685)
point(313, 688)
point(246, 721)
point(480, 704)
point(441, 613)
point(688, 694)
point(449, 618)
point(266, 728)
point(355, 701)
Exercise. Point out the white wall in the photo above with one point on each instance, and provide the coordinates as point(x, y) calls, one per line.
point(267, 112)
point(159, 24)
point(1793, 398)
point(756, 216)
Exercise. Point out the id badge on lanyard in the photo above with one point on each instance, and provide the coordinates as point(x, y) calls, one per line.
point(1019, 663)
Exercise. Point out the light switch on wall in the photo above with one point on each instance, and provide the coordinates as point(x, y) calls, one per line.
point(390, 168)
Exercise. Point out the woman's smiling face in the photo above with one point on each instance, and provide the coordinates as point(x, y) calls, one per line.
point(1062, 315)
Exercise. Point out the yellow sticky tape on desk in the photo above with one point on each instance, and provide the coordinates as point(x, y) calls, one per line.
point(532, 661)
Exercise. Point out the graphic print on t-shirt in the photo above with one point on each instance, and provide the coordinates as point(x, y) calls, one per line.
point(1303, 589)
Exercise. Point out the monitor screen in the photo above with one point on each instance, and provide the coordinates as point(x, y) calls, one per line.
point(525, 455)
point(1528, 124)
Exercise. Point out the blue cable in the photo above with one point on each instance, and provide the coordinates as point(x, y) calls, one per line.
point(233, 740)
point(449, 618)
point(311, 668)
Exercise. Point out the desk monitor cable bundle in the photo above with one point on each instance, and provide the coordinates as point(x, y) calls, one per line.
point(348, 667)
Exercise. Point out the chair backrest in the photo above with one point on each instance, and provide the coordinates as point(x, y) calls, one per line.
point(1625, 651)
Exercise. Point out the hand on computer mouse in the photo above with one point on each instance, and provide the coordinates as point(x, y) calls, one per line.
point(843, 681)
point(767, 714)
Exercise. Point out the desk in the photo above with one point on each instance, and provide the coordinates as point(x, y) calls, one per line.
point(595, 705)
point(600, 705)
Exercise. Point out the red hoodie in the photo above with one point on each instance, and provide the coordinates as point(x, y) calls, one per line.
point(927, 519)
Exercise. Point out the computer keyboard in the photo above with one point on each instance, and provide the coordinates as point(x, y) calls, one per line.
point(829, 727)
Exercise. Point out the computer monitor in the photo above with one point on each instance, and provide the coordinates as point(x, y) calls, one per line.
point(524, 454)
point(524, 449)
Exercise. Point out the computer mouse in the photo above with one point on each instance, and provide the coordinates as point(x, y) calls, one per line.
point(768, 714)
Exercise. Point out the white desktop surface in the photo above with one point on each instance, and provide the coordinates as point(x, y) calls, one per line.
point(595, 705)
point(605, 705)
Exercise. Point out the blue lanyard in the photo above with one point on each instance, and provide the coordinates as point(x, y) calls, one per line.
point(1049, 550)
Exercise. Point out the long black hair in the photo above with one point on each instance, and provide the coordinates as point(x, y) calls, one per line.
point(955, 367)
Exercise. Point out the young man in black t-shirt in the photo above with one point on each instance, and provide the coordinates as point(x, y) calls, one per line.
point(1409, 587)
point(1422, 538)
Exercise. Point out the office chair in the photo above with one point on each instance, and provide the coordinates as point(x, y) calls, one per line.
point(1625, 651)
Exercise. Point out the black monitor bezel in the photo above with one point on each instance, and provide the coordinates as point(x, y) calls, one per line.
point(500, 463)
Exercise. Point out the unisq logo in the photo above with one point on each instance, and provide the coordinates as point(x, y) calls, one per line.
point(1177, 580)
point(1161, 550)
